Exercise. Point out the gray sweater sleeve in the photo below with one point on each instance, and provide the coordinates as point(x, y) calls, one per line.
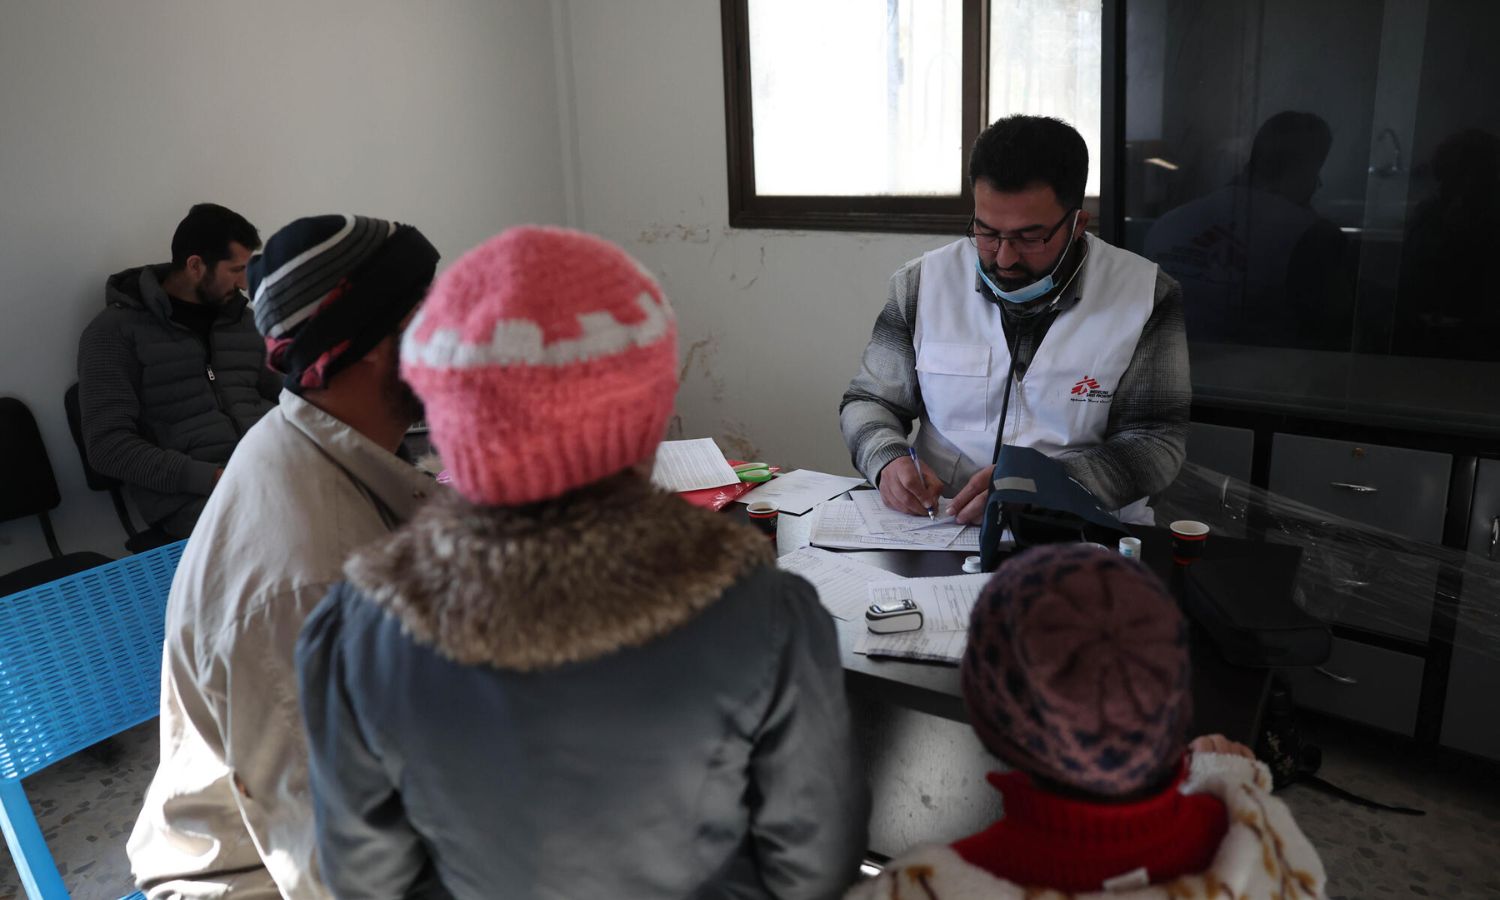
point(884, 399)
point(1145, 440)
point(109, 383)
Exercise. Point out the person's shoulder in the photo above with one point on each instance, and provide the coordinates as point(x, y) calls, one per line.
point(333, 621)
point(786, 590)
point(1168, 289)
point(113, 320)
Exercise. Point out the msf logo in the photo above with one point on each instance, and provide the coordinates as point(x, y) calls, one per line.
point(1087, 390)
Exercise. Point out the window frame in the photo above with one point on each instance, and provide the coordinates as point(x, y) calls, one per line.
point(902, 214)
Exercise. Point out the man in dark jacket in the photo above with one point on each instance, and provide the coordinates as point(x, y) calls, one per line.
point(173, 373)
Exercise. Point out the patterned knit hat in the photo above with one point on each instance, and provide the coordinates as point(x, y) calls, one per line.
point(327, 289)
point(547, 360)
point(1077, 670)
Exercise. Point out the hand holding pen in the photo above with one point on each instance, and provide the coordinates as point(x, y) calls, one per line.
point(912, 452)
point(908, 486)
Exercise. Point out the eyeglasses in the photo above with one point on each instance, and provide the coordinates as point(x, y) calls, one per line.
point(1025, 244)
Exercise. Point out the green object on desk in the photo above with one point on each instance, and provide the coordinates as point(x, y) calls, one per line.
point(754, 472)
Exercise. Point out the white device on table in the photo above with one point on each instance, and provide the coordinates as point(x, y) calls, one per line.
point(889, 618)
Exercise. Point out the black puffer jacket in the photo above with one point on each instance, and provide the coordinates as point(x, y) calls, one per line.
point(162, 411)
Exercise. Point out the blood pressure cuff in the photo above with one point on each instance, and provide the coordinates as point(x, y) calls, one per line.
point(1034, 497)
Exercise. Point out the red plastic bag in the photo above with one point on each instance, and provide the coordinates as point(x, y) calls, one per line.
point(720, 497)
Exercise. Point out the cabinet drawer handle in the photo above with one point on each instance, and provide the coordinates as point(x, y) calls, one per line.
point(1351, 583)
point(1341, 679)
point(1494, 535)
point(1356, 488)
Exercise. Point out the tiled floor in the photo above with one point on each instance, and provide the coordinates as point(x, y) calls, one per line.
point(88, 808)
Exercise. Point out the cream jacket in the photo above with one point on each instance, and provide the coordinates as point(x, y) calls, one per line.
point(229, 813)
point(1264, 855)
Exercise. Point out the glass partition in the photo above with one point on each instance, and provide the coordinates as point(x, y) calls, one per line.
point(1323, 178)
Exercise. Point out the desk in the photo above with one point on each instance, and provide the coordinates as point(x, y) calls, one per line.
point(925, 766)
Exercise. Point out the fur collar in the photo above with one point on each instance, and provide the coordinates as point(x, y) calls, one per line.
point(609, 567)
point(1263, 855)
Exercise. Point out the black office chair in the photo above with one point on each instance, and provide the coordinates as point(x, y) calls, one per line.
point(29, 488)
point(135, 541)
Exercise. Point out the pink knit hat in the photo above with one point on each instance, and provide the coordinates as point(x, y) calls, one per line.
point(547, 359)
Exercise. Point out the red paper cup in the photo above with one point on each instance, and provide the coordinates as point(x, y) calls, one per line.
point(763, 515)
point(1188, 540)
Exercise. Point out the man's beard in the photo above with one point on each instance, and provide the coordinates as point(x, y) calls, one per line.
point(1022, 275)
point(207, 298)
point(1018, 277)
point(401, 402)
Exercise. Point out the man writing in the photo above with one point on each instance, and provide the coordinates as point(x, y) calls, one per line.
point(171, 374)
point(1074, 347)
point(229, 812)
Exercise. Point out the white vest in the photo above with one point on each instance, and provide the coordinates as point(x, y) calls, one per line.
point(1063, 401)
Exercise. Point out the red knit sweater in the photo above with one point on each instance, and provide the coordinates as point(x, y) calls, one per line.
point(1074, 845)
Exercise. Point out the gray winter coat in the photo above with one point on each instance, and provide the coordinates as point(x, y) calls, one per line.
point(161, 411)
point(624, 698)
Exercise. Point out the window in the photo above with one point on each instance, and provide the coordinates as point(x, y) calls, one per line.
point(859, 114)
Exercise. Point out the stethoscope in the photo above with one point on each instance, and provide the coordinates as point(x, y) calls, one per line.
point(1010, 375)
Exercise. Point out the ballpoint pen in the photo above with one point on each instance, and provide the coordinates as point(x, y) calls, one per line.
point(912, 452)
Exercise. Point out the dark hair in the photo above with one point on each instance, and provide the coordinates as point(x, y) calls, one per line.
point(1289, 143)
point(1017, 152)
point(207, 232)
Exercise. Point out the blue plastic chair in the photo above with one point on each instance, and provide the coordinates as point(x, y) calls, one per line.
point(80, 661)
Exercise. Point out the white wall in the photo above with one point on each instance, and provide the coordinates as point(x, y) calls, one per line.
point(116, 117)
point(772, 323)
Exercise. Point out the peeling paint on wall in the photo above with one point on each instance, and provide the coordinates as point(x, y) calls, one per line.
point(659, 233)
point(700, 357)
point(734, 441)
point(756, 276)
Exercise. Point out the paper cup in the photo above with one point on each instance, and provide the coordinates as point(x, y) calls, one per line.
point(1188, 540)
point(763, 514)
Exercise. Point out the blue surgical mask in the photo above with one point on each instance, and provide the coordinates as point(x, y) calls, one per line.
point(1031, 291)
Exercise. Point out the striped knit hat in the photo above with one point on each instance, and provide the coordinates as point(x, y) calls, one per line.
point(327, 289)
point(547, 360)
point(1077, 670)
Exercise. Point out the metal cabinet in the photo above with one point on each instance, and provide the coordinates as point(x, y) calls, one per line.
point(1382, 687)
point(1224, 449)
point(1392, 488)
point(1470, 722)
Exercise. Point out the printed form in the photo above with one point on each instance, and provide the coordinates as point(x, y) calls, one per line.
point(691, 466)
point(946, 605)
point(797, 492)
point(843, 584)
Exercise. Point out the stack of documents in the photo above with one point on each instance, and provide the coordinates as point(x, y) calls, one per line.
point(843, 584)
point(864, 523)
point(797, 492)
point(847, 587)
point(946, 605)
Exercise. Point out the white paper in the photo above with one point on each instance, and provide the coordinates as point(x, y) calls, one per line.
point(797, 492)
point(839, 525)
point(936, 646)
point(946, 602)
point(843, 584)
point(691, 466)
point(881, 519)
